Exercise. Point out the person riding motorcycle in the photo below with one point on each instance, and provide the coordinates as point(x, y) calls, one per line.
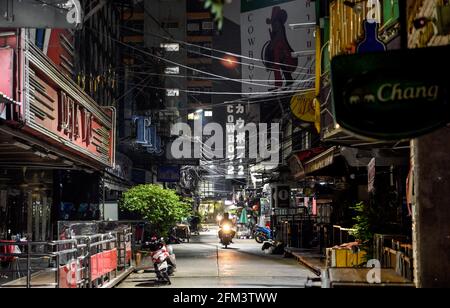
point(224, 221)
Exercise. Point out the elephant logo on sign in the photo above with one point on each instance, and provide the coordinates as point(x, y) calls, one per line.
point(369, 98)
point(355, 99)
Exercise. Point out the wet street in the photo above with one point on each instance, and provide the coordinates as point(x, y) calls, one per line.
point(204, 263)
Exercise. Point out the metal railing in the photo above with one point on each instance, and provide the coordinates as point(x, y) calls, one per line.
point(42, 260)
point(45, 264)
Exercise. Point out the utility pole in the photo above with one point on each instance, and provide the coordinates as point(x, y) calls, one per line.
point(431, 210)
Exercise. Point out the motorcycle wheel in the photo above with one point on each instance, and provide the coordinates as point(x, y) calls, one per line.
point(170, 271)
point(166, 276)
point(259, 239)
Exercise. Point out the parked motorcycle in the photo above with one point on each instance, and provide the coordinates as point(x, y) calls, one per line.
point(163, 259)
point(226, 235)
point(262, 234)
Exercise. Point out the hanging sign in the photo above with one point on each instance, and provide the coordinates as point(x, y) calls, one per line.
point(146, 135)
point(392, 95)
point(371, 175)
point(169, 174)
point(302, 106)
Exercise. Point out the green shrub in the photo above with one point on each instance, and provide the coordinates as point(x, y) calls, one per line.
point(161, 207)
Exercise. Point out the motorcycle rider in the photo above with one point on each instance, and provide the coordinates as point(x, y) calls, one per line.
point(226, 220)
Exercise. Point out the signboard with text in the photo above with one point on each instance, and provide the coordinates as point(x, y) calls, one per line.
point(236, 143)
point(58, 109)
point(281, 196)
point(392, 95)
point(169, 174)
point(371, 175)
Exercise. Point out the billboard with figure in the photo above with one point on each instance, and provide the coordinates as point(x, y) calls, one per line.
point(275, 55)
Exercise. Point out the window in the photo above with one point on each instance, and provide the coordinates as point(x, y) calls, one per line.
point(170, 24)
point(208, 113)
point(306, 142)
point(193, 116)
point(194, 27)
point(207, 25)
point(170, 46)
point(173, 92)
point(207, 189)
point(172, 70)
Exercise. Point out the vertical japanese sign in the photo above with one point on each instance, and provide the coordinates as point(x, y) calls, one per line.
point(268, 42)
point(236, 142)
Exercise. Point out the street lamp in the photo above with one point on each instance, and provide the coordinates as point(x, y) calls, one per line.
point(229, 62)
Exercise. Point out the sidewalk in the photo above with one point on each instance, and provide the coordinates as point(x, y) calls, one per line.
point(46, 279)
point(310, 258)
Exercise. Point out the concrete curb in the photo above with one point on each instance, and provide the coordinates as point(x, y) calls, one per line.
point(302, 260)
point(118, 279)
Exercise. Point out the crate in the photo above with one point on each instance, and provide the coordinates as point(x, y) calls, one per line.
point(337, 257)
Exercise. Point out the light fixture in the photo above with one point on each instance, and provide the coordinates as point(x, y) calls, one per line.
point(306, 25)
point(40, 154)
point(229, 62)
point(51, 156)
point(68, 162)
point(304, 53)
point(356, 6)
point(22, 145)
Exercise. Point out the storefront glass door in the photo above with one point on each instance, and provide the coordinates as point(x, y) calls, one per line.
point(41, 206)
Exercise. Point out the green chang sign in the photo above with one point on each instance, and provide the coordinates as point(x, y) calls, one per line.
point(392, 95)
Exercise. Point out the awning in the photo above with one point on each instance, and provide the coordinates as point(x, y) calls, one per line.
point(296, 167)
point(298, 159)
point(320, 161)
point(113, 182)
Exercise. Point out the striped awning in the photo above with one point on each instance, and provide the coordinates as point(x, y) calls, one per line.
point(320, 161)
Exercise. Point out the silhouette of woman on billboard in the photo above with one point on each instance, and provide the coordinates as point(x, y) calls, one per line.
point(277, 53)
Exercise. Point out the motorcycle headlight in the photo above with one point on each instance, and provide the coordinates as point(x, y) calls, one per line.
point(226, 228)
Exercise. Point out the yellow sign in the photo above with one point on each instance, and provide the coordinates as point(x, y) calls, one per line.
point(302, 106)
point(318, 113)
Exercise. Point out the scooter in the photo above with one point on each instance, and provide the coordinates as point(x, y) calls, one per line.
point(226, 233)
point(262, 234)
point(163, 259)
